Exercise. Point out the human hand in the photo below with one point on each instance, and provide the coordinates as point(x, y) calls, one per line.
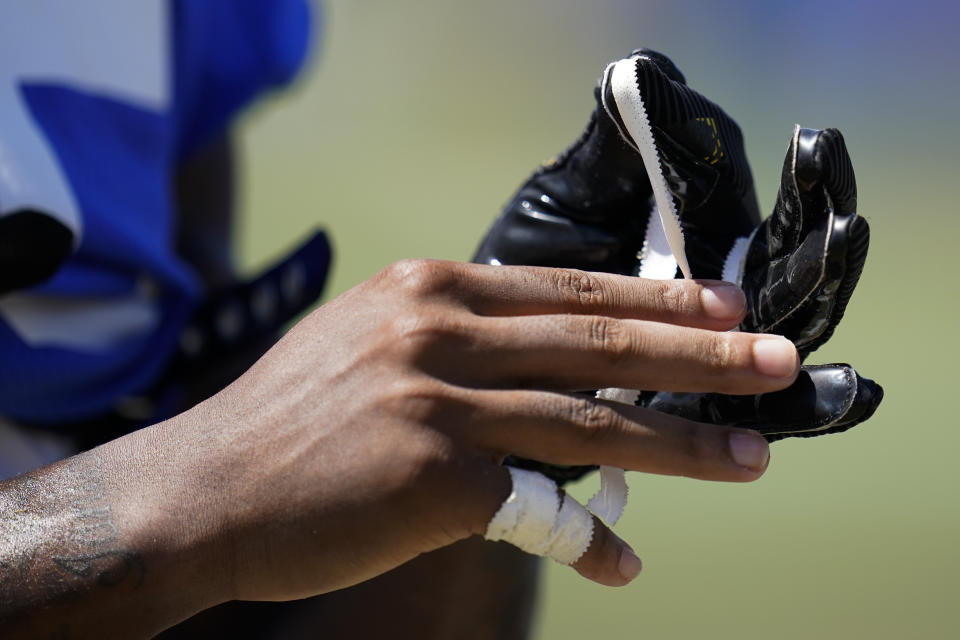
point(374, 430)
point(591, 208)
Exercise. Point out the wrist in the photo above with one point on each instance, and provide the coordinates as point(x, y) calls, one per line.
point(167, 494)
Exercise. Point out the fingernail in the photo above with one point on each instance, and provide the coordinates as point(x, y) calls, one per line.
point(775, 356)
point(722, 301)
point(630, 564)
point(749, 451)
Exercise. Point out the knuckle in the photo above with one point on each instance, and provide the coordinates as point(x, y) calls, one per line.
point(415, 401)
point(716, 351)
point(580, 287)
point(674, 297)
point(408, 335)
point(663, 294)
point(595, 421)
point(687, 298)
point(418, 277)
point(609, 336)
point(418, 333)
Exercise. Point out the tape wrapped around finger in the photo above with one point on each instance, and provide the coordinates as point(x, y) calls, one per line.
point(537, 520)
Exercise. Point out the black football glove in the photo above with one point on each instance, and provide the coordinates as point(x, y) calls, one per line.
point(591, 208)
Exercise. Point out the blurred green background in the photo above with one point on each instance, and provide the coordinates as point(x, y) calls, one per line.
point(417, 121)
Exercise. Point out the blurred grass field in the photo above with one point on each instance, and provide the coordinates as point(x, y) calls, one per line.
point(420, 118)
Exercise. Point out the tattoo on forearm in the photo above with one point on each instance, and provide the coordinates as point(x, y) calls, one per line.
point(58, 538)
point(104, 566)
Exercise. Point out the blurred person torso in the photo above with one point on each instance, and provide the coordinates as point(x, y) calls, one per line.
point(100, 102)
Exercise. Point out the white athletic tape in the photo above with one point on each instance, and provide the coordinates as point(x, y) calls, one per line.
point(633, 112)
point(534, 519)
point(610, 500)
point(623, 396)
point(656, 258)
point(736, 258)
point(572, 532)
point(662, 252)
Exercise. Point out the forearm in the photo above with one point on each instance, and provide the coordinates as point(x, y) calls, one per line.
point(113, 542)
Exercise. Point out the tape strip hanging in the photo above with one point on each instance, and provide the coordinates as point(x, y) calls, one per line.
point(735, 260)
point(633, 111)
point(610, 500)
point(662, 253)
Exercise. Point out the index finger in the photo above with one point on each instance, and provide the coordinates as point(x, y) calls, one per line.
point(513, 290)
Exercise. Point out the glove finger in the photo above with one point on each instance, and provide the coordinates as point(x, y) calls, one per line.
point(781, 232)
point(702, 160)
point(699, 143)
point(827, 183)
point(824, 399)
point(834, 170)
point(817, 173)
point(807, 257)
point(840, 265)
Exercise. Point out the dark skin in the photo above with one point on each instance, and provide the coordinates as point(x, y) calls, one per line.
point(418, 599)
point(371, 435)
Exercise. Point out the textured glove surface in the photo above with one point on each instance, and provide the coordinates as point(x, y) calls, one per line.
point(587, 209)
point(804, 261)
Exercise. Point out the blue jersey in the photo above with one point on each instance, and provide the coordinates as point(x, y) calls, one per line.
point(99, 102)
